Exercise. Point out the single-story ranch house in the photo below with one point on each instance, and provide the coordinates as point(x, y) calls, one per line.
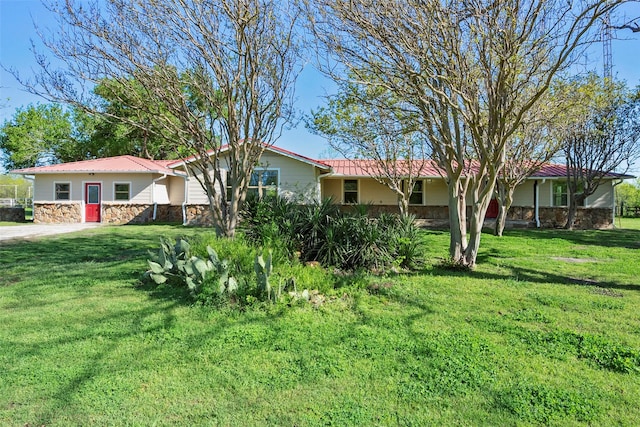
point(127, 189)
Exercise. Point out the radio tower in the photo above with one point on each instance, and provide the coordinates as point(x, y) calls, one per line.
point(607, 56)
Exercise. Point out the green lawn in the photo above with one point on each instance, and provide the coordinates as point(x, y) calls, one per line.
point(628, 223)
point(546, 331)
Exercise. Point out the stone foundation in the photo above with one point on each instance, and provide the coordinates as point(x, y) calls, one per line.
point(550, 217)
point(199, 215)
point(57, 213)
point(12, 214)
point(586, 218)
point(127, 213)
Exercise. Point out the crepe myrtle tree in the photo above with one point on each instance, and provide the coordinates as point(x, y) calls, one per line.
point(217, 76)
point(368, 123)
point(528, 149)
point(470, 70)
point(600, 135)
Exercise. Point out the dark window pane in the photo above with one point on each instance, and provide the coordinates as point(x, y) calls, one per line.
point(350, 185)
point(122, 192)
point(270, 178)
point(63, 192)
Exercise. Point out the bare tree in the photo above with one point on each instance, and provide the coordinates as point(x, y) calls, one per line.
point(368, 124)
point(218, 75)
point(601, 136)
point(471, 70)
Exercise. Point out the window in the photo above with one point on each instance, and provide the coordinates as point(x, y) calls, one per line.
point(263, 183)
point(62, 191)
point(561, 195)
point(417, 194)
point(559, 189)
point(121, 191)
point(350, 191)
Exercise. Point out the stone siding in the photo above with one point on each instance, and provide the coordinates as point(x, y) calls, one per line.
point(56, 213)
point(199, 215)
point(127, 213)
point(550, 217)
point(586, 218)
point(13, 214)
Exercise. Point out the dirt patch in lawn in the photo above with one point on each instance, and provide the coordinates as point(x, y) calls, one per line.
point(574, 260)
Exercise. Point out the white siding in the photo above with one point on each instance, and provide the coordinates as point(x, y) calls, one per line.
point(523, 194)
point(436, 192)
point(176, 190)
point(161, 191)
point(195, 193)
point(140, 186)
point(296, 178)
point(603, 196)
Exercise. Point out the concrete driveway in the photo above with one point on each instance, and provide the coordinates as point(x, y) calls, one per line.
point(30, 231)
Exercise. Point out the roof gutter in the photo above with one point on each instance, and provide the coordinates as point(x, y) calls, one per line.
point(318, 185)
point(613, 210)
point(536, 188)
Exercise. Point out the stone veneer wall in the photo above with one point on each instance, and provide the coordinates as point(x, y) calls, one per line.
point(199, 215)
point(550, 217)
point(67, 213)
point(127, 213)
point(12, 214)
point(586, 218)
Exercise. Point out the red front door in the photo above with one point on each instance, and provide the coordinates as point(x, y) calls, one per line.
point(92, 202)
point(492, 210)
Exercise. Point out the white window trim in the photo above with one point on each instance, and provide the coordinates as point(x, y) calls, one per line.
point(260, 169)
point(114, 191)
point(70, 191)
point(358, 191)
point(422, 203)
point(551, 202)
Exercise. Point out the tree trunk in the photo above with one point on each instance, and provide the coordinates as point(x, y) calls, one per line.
point(478, 214)
point(403, 204)
point(574, 201)
point(457, 220)
point(505, 199)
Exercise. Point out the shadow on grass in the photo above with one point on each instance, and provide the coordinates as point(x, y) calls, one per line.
point(529, 275)
point(619, 238)
point(55, 276)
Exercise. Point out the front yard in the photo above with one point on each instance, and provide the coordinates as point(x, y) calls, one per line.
point(545, 331)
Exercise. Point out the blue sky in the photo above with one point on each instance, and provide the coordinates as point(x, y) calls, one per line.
point(17, 19)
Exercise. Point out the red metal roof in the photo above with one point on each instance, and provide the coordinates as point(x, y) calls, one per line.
point(429, 169)
point(339, 167)
point(551, 170)
point(119, 164)
point(318, 163)
point(363, 168)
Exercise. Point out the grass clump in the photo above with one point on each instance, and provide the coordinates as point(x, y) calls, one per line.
point(544, 404)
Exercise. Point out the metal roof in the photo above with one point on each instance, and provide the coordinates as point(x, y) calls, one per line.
point(118, 164)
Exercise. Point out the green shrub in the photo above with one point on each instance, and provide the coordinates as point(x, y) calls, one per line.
point(175, 265)
point(234, 272)
point(320, 232)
